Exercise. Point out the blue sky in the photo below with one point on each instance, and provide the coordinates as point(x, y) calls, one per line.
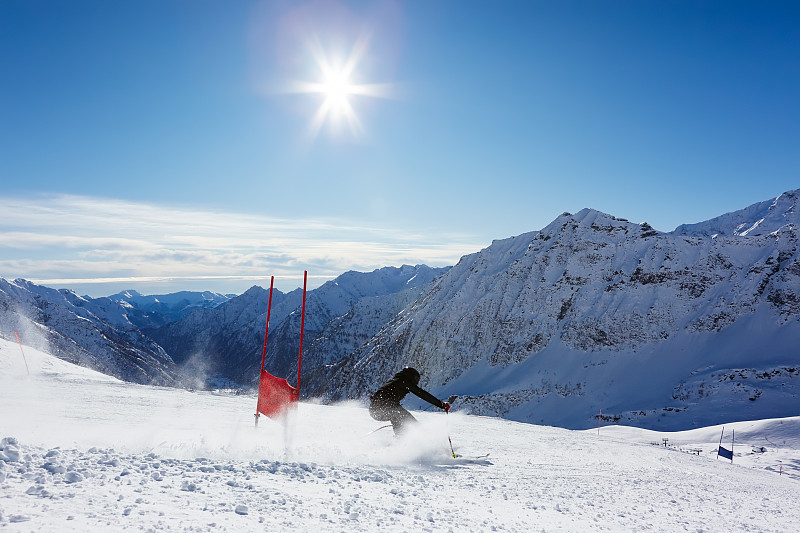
point(166, 145)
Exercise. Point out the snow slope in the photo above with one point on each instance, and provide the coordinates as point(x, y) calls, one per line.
point(82, 451)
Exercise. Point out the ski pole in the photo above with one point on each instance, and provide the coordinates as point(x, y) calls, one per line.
point(452, 451)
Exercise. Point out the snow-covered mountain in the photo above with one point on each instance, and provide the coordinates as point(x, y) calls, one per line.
point(150, 311)
point(95, 333)
point(762, 218)
point(593, 312)
point(344, 313)
point(216, 342)
point(226, 342)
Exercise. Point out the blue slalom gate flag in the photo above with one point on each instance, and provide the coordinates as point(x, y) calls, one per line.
point(726, 453)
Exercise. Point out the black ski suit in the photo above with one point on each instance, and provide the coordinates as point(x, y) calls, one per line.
point(385, 403)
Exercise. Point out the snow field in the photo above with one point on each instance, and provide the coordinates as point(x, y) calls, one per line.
point(84, 452)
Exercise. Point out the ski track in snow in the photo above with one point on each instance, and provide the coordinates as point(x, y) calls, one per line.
point(85, 452)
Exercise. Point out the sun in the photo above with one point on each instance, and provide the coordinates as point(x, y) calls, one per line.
point(338, 91)
point(336, 88)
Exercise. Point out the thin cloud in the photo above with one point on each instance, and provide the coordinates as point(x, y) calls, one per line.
point(80, 240)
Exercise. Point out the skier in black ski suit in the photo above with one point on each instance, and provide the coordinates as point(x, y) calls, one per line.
point(385, 403)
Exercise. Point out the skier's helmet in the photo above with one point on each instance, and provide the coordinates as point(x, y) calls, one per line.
point(410, 374)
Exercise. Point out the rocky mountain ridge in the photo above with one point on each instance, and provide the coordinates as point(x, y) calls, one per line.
point(595, 312)
point(95, 333)
point(226, 343)
point(204, 340)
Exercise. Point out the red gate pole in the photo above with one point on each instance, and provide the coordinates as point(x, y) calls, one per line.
point(302, 326)
point(264, 351)
point(266, 330)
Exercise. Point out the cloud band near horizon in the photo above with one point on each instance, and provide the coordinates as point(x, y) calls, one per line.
point(107, 245)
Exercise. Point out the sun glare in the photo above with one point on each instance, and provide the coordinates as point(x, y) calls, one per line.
point(336, 86)
point(336, 89)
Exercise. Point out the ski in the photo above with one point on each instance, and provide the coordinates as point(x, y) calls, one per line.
point(380, 428)
point(470, 458)
point(459, 456)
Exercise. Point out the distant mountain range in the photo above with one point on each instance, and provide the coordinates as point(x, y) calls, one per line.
point(159, 309)
point(225, 343)
point(665, 330)
point(204, 339)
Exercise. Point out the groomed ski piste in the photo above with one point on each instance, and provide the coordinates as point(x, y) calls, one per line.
point(82, 451)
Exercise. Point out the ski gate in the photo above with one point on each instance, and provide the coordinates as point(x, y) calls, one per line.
point(276, 395)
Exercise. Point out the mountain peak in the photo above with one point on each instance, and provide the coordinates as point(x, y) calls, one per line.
point(588, 221)
point(770, 216)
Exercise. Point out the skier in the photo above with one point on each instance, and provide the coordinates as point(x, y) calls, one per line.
point(385, 403)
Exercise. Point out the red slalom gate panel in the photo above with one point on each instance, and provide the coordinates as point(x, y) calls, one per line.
point(275, 395)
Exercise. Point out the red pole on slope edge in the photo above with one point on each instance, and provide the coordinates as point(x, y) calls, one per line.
point(302, 326)
point(23, 353)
